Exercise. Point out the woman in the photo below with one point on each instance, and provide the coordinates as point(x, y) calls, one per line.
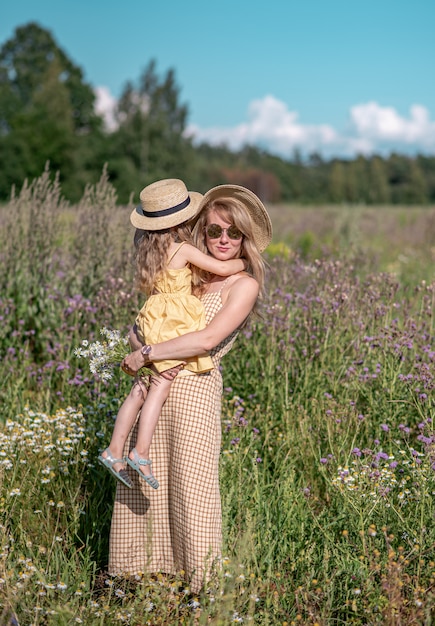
point(179, 526)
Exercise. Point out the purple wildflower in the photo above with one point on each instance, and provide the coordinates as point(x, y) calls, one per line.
point(425, 440)
point(382, 455)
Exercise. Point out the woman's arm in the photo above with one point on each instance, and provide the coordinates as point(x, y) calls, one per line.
point(136, 344)
point(210, 264)
point(241, 298)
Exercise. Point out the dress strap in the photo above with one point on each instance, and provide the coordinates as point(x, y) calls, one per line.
point(175, 252)
point(223, 284)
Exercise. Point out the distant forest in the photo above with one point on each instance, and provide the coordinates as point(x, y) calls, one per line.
point(47, 115)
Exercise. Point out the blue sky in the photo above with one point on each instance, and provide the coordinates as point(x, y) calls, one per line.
point(339, 77)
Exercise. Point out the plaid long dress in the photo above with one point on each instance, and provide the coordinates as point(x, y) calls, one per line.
point(178, 526)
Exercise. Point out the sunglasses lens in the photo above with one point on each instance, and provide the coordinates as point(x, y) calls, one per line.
point(234, 233)
point(214, 231)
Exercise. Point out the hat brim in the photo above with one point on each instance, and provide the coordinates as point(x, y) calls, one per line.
point(141, 221)
point(261, 223)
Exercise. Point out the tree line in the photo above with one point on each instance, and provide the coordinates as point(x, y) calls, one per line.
point(47, 115)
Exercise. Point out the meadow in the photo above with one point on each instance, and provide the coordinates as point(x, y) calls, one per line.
point(328, 455)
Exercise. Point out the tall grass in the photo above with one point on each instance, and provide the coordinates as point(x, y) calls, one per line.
point(328, 455)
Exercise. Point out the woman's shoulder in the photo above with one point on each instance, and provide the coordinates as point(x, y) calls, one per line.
point(242, 283)
point(244, 277)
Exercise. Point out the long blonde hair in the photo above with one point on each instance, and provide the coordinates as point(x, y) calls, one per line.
point(151, 253)
point(234, 212)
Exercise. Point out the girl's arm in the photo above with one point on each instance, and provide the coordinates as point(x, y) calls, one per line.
point(135, 342)
point(241, 298)
point(210, 264)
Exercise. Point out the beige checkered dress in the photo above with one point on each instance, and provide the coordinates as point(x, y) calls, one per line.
point(178, 526)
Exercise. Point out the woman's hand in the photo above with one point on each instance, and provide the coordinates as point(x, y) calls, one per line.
point(132, 363)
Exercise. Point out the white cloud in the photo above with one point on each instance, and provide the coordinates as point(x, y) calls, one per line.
point(271, 126)
point(372, 128)
point(105, 105)
point(385, 124)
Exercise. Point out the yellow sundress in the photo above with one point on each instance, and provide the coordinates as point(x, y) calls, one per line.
point(173, 311)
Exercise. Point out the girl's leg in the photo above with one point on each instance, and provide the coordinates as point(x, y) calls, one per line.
point(149, 415)
point(124, 421)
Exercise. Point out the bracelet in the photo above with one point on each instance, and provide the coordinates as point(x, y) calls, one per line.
point(145, 352)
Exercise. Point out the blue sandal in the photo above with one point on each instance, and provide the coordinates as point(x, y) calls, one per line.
point(136, 463)
point(109, 461)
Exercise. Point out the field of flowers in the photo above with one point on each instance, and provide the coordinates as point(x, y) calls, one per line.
point(328, 459)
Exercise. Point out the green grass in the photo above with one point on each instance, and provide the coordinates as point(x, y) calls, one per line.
point(328, 453)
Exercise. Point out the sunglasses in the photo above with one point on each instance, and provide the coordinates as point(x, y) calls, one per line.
point(214, 231)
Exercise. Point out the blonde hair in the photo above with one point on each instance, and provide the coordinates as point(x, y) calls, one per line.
point(151, 253)
point(234, 212)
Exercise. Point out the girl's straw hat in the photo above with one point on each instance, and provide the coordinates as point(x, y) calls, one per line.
point(165, 203)
point(261, 224)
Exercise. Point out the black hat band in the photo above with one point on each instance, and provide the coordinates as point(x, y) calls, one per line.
point(164, 212)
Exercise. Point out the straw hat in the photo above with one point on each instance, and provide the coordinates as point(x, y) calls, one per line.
point(261, 224)
point(165, 203)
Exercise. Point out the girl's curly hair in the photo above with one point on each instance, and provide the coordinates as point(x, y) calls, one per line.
point(151, 253)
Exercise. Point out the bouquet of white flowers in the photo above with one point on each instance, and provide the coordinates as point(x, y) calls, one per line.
point(107, 354)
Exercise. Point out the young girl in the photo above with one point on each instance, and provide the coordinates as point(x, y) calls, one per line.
point(163, 256)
